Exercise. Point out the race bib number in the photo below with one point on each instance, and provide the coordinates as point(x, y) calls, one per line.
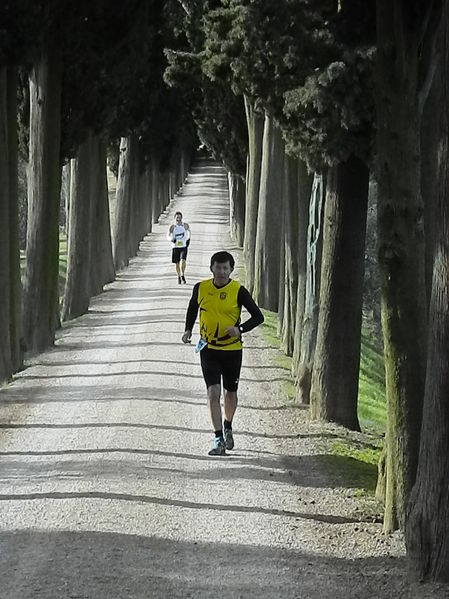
point(179, 243)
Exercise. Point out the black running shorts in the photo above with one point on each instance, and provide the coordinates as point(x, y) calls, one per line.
point(178, 254)
point(216, 363)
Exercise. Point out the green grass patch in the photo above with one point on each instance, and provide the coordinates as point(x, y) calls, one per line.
point(371, 400)
point(352, 464)
point(368, 454)
point(270, 329)
point(62, 263)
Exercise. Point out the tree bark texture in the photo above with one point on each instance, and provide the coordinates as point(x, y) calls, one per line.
point(41, 294)
point(15, 284)
point(5, 278)
point(134, 235)
point(288, 284)
point(430, 134)
point(427, 526)
point(281, 290)
point(155, 205)
point(147, 220)
point(335, 374)
point(255, 123)
point(84, 233)
point(236, 187)
point(400, 245)
point(79, 243)
point(102, 240)
point(295, 239)
point(163, 191)
point(309, 323)
point(305, 181)
point(267, 253)
point(125, 203)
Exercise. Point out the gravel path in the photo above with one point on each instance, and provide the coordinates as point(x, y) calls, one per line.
point(106, 488)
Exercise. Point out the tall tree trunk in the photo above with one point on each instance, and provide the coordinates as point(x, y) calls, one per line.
point(295, 217)
point(134, 233)
point(287, 299)
point(124, 203)
point(430, 132)
point(5, 279)
point(41, 301)
point(268, 248)
point(403, 31)
point(427, 526)
point(15, 285)
point(155, 205)
point(255, 123)
point(309, 324)
point(164, 193)
point(65, 194)
point(77, 291)
point(185, 164)
point(147, 200)
point(102, 223)
point(236, 187)
point(335, 375)
point(305, 181)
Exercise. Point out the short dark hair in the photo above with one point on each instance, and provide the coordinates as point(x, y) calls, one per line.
point(221, 258)
point(180, 214)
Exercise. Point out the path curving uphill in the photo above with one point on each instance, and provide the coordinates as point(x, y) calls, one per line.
point(106, 488)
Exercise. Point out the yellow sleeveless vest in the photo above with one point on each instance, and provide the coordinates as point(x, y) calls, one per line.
point(219, 309)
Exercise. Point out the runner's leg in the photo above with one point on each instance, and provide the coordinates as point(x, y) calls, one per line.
point(213, 402)
point(230, 404)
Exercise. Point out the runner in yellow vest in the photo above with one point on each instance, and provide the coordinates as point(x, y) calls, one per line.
point(220, 301)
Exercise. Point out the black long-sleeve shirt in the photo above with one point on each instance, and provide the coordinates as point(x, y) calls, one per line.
point(244, 299)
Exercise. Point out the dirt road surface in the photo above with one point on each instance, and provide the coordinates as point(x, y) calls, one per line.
point(106, 488)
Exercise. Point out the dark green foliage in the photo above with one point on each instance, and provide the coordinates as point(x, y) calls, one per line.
point(23, 28)
point(331, 116)
point(269, 45)
point(108, 74)
point(167, 126)
point(309, 64)
point(217, 111)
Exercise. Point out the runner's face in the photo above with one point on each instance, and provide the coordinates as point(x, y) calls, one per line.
point(222, 272)
point(178, 219)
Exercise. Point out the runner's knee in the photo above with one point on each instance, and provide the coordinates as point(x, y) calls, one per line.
point(213, 393)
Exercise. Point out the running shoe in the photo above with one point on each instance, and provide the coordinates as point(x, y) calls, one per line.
point(219, 447)
point(229, 439)
point(179, 280)
point(183, 279)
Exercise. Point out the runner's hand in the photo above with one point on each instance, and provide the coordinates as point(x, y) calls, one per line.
point(187, 337)
point(233, 331)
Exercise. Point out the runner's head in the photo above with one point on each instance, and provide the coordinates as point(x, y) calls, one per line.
point(221, 258)
point(178, 217)
point(221, 266)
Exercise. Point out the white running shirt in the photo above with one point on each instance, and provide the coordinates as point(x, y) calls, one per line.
point(179, 236)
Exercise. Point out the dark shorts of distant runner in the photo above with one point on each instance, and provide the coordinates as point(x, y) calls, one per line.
point(178, 254)
point(217, 363)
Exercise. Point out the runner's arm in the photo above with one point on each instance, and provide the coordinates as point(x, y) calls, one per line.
point(244, 299)
point(170, 233)
point(192, 309)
